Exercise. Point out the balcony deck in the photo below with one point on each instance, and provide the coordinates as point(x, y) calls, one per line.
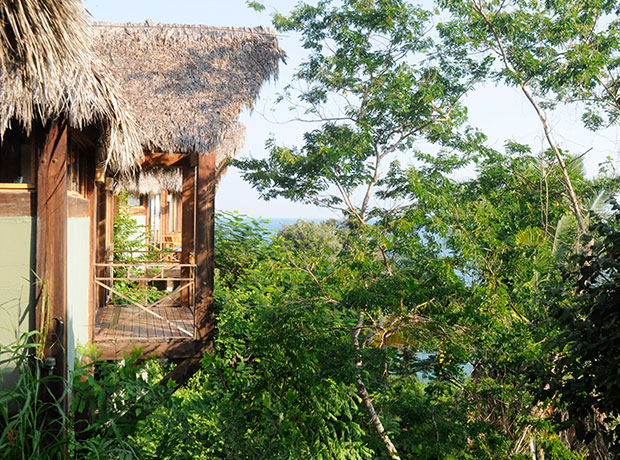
point(128, 322)
point(125, 320)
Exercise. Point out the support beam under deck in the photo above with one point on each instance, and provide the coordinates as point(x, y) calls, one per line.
point(204, 241)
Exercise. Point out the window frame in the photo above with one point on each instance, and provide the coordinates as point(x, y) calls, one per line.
point(31, 184)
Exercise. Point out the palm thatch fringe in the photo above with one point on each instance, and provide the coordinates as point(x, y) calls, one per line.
point(48, 69)
point(229, 144)
point(154, 180)
point(39, 38)
point(186, 85)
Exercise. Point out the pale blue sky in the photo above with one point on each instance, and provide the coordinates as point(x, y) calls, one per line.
point(502, 113)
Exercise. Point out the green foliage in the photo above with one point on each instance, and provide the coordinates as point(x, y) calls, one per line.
point(281, 381)
point(107, 392)
point(128, 234)
point(325, 238)
point(299, 406)
point(553, 52)
point(456, 272)
point(583, 377)
point(256, 6)
point(35, 425)
point(242, 244)
point(565, 49)
point(469, 264)
point(566, 242)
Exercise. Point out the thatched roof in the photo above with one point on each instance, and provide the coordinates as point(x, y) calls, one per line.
point(48, 69)
point(188, 84)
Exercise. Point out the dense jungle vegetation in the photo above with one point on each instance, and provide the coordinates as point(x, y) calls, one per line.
point(444, 316)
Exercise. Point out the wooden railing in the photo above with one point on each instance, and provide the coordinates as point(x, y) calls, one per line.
point(142, 272)
point(165, 241)
point(142, 255)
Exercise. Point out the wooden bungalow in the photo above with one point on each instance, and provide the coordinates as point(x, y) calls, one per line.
point(81, 107)
point(186, 86)
point(61, 127)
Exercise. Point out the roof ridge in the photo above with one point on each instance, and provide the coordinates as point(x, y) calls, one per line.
point(204, 28)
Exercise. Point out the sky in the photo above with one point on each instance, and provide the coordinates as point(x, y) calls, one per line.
point(502, 113)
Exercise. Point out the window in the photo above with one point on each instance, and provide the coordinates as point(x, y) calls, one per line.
point(76, 168)
point(155, 215)
point(133, 200)
point(16, 161)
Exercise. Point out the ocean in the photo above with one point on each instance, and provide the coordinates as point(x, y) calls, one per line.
point(275, 224)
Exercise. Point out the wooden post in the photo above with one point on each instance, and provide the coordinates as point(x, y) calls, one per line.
point(188, 224)
point(205, 221)
point(92, 256)
point(100, 241)
point(163, 217)
point(51, 246)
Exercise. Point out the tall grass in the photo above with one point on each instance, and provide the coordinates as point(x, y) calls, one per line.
point(32, 422)
point(35, 425)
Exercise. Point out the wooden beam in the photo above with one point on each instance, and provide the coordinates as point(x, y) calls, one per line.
point(51, 246)
point(182, 373)
point(165, 159)
point(187, 224)
point(83, 139)
point(93, 243)
point(111, 209)
point(205, 221)
point(17, 203)
point(175, 348)
point(78, 206)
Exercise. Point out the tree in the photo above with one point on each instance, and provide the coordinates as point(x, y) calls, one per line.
point(372, 65)
point(470, 260)
point(375, 86)
point(552, 51)
point(454, 270)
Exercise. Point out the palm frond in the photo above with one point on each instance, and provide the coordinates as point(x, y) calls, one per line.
point(565, 238)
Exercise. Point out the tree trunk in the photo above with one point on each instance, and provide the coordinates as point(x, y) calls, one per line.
point(368, 405)
point(572, 196)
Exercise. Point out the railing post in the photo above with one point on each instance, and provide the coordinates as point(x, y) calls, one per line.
point(188, 226)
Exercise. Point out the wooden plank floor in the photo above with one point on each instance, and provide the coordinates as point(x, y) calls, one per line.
point(127, 322)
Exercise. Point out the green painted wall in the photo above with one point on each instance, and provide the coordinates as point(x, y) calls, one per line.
point(78, 282)
point(17, 259)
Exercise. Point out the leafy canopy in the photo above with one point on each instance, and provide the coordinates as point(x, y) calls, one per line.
point(375, 85)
